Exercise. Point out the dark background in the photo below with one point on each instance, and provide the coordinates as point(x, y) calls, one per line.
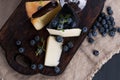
point(110, 71)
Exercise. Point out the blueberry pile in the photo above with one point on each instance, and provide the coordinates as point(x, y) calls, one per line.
point(64, 21)
point(105, 25)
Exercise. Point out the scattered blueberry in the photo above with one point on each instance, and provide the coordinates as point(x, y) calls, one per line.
point(101, 30)
point(105, 26)
point(95, 52)
point(33, 66)
point(94, 33)
point(60, 26)
point(111, 18)
point(59, 39)
point(54, 24)
point(94, 28)
point(112, 33)
point(118, 30)
point(57, 69)
point(103, 22)
point(65, 48)
point(18, 42)
point(37, 38)
point(40, 66)
point(84, 29)
point(104, 34)
point(97, 24)
point(32, 42)
point(21, 50)
point(90, 35)
point(91, 40)
point(70, 44)
point(102, 14)
point(108, 8)
point(114, 29)
point(110, 12)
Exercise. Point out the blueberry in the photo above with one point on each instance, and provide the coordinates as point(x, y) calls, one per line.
point(65, 48)
point(37, 38)
point(54, 24)
point(57, 69)
point(110, 27)
point(94, 28)
point(108, 8)
point(111, 18)
point(90, 35)
point(94, 33)
point(113, 23)
point(109, 22)
point(112, 33)
point(118, 30)
point(32, 42)
point(84, 29)
point(40, 66)
point(102, 14)
point(103, 22)
point(104, 34)
point(70, 44)
point(18, 42)
point(69, 20)
point(105, 26)
point(39, 7)
point(73, 24)
point(95, 52)
point(101, 30)
point(97, 24)
point(114, 29)
point(33, 66)
point(99, 18)
point(60, 26)
point(110, 12)
point(106, 30)
point(107, 17)
point(21, 50)
point(91, 40)
point(59, 39)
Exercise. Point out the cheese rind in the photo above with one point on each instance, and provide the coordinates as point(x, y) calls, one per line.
point(42, 21)
point(32, 7)
point(66, 33)
point(53, 52)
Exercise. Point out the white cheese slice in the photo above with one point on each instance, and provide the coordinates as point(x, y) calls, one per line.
point(53, 52)
point(66, 33)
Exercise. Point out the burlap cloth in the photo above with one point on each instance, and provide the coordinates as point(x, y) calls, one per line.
point(84, 64)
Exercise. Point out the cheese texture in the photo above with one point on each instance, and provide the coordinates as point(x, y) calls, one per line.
point(65, 33)
point(53, 52)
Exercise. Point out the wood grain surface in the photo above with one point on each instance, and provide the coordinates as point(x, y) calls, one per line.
point(18, 29)
point(82, 64)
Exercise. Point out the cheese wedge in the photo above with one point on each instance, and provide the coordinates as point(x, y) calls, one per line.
point(32, 7)
point(65, 33)
point(53, 52)
point(40, 22)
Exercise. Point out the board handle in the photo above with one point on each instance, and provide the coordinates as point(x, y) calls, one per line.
point(21, 64)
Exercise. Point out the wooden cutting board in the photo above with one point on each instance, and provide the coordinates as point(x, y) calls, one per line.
point(15, 29)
